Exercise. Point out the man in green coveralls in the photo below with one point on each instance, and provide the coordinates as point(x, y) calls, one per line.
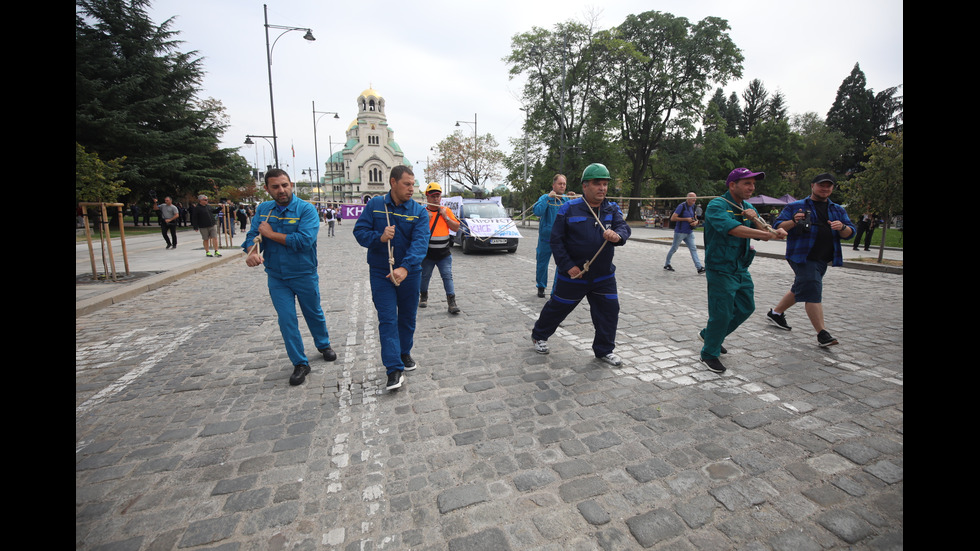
point(728, 222)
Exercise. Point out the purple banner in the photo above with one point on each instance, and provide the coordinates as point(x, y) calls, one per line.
point(348, 212)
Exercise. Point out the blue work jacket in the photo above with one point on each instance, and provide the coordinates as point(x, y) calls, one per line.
point(576, 237)
point(411, 240)
point(299, 222)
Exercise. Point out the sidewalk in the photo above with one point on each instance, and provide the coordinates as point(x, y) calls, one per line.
point(151, 266)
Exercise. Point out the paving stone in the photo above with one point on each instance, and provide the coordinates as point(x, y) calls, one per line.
point(189, 434)
point(654, 527)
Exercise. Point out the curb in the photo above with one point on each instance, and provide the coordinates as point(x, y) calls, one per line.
point(87, 306)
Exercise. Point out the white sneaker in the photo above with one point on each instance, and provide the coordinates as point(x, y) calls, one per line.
point(541, 347)
point(612, 359)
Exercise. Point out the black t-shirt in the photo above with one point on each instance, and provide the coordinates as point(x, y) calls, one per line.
point(823, 247)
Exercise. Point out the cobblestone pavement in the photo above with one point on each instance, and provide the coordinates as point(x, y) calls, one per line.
point(188, 435)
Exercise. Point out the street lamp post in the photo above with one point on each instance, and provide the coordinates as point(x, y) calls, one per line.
point(475, 141)
point(316, 154)
point(250, 143)
point(268, 52)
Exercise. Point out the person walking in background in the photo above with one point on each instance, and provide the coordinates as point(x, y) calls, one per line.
point(168, 221)
point(685, 219)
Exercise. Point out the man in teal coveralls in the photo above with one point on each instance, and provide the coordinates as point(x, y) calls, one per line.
point(728, 227)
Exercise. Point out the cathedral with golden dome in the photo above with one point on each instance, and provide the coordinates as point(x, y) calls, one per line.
point(360, 170)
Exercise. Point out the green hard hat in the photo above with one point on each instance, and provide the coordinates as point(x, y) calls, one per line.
point(595, 171)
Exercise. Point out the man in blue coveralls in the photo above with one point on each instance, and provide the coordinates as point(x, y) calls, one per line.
point(585, 232)
point(395, 230)
point(288, 226)
point(728, 228)
point(546, 208)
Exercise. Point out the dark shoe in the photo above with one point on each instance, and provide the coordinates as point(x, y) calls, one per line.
point(713, 364)
point(824, 339)
point(451, 299)
point(701, 270)
point(299, 374)
point(423, 300)
point(409, 362)
point(779, 320)
point(540, 292)
point(723, 349)
point(329, 354)
point(669, 268)
point(395, 380)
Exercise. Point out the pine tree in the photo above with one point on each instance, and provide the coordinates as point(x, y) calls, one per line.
point(135, 97)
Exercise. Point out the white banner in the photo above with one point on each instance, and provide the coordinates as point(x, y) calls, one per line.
point(492, 227)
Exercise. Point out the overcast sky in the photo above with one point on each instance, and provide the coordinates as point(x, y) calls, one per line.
point(436, 62)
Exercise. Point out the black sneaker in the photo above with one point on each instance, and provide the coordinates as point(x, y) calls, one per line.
point(395, 380)
point(701, 270)
point(714, 364)
point(299, 374)
point(409, 362)
point(669, 268)
point(779, 320)
point(701, 336)
point(540, 292)
point(824, 339)
point(329, 354)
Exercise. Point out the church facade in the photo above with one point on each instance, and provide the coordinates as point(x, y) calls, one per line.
point(360, 170)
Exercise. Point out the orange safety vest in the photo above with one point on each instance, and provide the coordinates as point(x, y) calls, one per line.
point(440, 231)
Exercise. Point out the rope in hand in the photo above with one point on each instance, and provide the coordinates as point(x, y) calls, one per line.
point(585, 267)
point(258, 240)
point(756, 219)
point(391, 253)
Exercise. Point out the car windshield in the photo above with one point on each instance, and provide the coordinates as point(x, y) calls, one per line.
point(484, 210)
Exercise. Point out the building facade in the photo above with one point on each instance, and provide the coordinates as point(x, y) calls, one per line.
point(360, 170)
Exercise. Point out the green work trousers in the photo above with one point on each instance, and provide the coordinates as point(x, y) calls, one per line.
point(731, 301)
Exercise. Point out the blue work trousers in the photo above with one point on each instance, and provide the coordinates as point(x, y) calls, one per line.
point(544, 261)
point(604, 306)
point(285, 293)
point(397, 307)
point(730, 302)
point(445, 266)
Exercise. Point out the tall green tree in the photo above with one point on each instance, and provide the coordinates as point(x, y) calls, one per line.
point(733, 115)
point(852, 115)
point(136, 97)
point(561, 68)
point(772, 145)
point(756, 105)
point(657, 71)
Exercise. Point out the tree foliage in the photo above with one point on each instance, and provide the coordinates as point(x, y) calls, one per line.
point(469, 162)
point(97, 181)
point(136, 97)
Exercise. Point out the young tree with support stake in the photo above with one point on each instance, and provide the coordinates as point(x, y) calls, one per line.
point(879, 187)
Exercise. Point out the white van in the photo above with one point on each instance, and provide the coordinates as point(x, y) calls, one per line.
point(484, 225)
